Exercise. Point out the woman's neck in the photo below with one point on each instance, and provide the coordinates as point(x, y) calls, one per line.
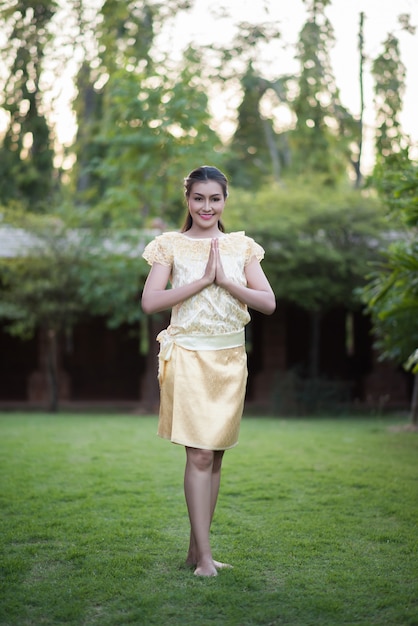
point(198, 233)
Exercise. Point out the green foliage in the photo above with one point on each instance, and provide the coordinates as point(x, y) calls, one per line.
point(392, 300)
point(64, 273)
point(412, 362)
point(95, 529)
point(88, 107)
point(138, 120)
point(144, 122)
point(324, 129)
point(389, 74)
point(126, 33)
point(319, 242)
point(121, 36)
point(396, 179)
point(257, 152)
point(26, 153)
point(114, 275)
point(392, 291)
point(148, 143)
point(40, 286)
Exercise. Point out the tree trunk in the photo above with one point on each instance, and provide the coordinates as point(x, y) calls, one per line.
point(357, 165)
point(272, 147)
point(315, 338)
point(150, 395)
point(414, 402)
point(52, 370)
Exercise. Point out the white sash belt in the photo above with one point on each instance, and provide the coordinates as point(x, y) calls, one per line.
point(198, 342)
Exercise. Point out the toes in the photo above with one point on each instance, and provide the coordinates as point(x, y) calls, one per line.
point(220, 565)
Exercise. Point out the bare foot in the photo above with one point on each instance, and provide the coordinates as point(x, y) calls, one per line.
point(220, 565)
point(192, 562)
point(206, 570)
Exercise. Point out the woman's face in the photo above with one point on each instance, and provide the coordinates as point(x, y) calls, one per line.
point(206, 203)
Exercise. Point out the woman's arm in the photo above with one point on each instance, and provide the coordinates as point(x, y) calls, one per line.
point(258, 294)
point(155, 296)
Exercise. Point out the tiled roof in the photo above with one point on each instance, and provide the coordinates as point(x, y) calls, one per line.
point(14, 241)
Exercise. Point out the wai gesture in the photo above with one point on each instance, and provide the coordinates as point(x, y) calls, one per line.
point(214, 272)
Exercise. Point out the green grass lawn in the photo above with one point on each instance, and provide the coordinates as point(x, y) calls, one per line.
point(319, 518)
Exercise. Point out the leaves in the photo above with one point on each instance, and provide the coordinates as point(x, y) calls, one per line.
point(318, 244)
point(325, 131)
point(26, 152)
point(65, 273)
point(389, 74)
point(391, 294)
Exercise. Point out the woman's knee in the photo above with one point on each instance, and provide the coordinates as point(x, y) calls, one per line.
point(201, 459)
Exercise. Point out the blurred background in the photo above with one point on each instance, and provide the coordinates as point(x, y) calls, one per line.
point(309, 109)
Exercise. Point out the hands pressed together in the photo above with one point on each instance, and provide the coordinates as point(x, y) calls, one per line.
point(214, 272)
point(256, 294)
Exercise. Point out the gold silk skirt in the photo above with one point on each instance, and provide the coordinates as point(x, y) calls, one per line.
point(202, 396)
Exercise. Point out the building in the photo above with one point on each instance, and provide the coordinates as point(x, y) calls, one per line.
point(99, 366)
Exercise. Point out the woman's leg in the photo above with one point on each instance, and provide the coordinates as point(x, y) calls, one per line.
point(211, 497)
point(198, 489)
point(216, 481)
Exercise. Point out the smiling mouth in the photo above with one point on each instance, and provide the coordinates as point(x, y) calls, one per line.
point(206, 216)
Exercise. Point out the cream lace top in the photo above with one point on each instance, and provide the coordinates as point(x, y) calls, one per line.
point(213, 310)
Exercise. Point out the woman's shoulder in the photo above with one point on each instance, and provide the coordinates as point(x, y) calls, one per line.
point(161, 248)
point(247, 244)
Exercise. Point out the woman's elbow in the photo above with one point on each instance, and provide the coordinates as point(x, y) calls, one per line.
point(270, 305)
point(146, 305)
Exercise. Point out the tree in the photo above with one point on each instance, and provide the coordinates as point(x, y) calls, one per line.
point(391, 294)
point(356, 158)
point(324, 130)
point(121, 35)
point(257, 152)
point(40, 290)
point(389, 74)
point(64, 274)
point(26, 153)
point(148, 134)
point(318, 241)
point(138, 119)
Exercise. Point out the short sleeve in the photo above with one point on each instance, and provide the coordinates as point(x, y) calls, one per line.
point(160, 250)
point(253, 249)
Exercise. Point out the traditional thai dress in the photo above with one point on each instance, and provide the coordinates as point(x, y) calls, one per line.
point(202, 361)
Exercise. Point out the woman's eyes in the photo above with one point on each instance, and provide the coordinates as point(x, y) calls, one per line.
point(199, 199)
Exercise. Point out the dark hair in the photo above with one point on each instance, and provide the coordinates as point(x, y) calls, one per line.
point(203, 174)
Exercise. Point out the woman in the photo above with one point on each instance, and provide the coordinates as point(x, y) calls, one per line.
point(214, 277)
